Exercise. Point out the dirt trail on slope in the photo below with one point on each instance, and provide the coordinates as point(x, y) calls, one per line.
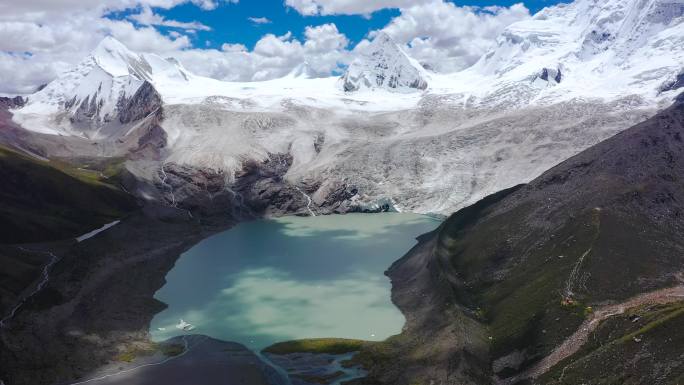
point(573, 343)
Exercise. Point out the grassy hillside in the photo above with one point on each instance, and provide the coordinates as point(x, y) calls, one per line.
point(50, 200)
point(526, 267)
point(642, 346)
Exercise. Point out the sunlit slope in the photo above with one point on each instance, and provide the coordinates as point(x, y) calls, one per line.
point(44, 201)
point(507, 281)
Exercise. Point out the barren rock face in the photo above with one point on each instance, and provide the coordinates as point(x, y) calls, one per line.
point(14, 102)
point(144, 102)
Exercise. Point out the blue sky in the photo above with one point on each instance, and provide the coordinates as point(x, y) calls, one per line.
point(230, 22)
point(216, 38)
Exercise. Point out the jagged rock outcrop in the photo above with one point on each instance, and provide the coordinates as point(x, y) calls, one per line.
point(146, 101)
point(675, 84)
point(552, 74)
point(548, 77)
point(15, 102)
point(257, 190)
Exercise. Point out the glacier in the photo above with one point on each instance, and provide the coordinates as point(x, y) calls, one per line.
point(388, 132)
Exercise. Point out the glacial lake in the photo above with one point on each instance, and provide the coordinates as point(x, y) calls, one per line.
point(289, 278)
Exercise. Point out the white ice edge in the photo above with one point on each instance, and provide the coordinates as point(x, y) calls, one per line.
point(96, 231)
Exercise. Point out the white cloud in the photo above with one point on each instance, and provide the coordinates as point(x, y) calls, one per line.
point(44, 37)
point(259, 20)
point(436, 32)
point(22, 74)
point(148, 17)
point(449, 37)
point(324, 38)
point(34, 10)
point(274, 306)
point(348, 7)
point(146, 39)
point(324, 49)
point(233, 47)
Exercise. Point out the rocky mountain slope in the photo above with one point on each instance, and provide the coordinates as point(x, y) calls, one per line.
point(45, 201)
point(38, 200)
point(497, 295)
point(498, 292)
point(556, 84)
point(48, 200)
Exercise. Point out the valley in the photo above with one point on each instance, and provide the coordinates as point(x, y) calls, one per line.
point(159, 226)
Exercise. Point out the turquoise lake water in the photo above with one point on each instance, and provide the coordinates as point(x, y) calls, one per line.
point(295, 277)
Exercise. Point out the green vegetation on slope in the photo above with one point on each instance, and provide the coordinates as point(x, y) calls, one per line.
point(317, 345)
point(134, 352)
point(641, 346)
point(47, 201)
point(526, 268)
point(532, 288)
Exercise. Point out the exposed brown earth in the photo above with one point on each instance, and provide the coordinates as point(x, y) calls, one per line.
point(573, 344)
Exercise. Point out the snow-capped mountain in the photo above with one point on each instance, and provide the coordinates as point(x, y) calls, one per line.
point(384, 65)
point(572, 75)
point(101, 89)
point(601, 48)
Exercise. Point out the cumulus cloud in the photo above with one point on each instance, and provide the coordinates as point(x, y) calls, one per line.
point(324, 49)
point(45, 9)
point(259, 20)
point(438, 33)
point(42, 38)
point(348, 7)
point(148, 17)
point(227, 47)
point(448, 37)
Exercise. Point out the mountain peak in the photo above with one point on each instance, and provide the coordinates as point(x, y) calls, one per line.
point(111, 44)
point(383, 64)
point(382, 38)
point(117, 60)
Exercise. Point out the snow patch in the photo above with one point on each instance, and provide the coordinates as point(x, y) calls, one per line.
point(96, 231)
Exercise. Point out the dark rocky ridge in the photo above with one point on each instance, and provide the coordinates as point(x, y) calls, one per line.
point(258, 190)
point(99, 300)
point(144, 102)
point(44, 201)
point(7, 102)
point(502, 283)
point(675, 84)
